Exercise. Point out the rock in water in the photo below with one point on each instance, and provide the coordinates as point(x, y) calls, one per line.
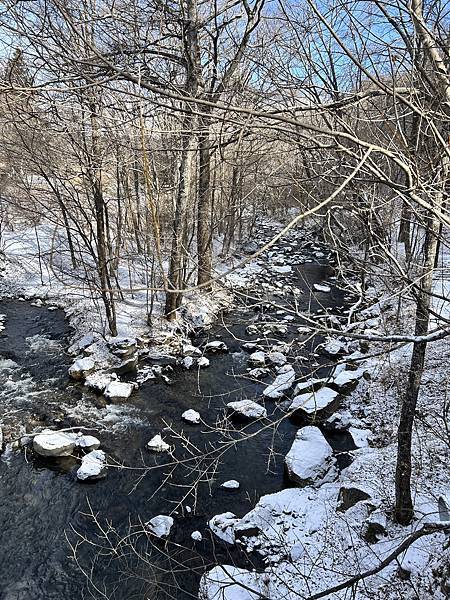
point(190, 350)
point(322, 288)
point(310, 460)
point(196, 536)
point(157, 444)
point(87, 442)
point(215, 347)
point(187, 362)
point(346, 380)
point(191, 416)
point(247, 409)
point(284, 381)
point(160, 526)
point(316, 405)
point(54, 443)
point(257, 358)
point(282, 269)
point(118, 391)
point(81, 368)
point(232, 484)
point(93, 465)
point(203, 362)
point(333, 347)
point(98, 381)
point(258, 373)
point(277, 358)
point(223, 526)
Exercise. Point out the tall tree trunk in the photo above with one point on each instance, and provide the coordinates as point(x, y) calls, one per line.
point(204, 209)
point(188, 165)
point(95, 176)
point(404, 510)
point(177, 263)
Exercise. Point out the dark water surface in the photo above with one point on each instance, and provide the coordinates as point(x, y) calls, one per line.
point(44, 510)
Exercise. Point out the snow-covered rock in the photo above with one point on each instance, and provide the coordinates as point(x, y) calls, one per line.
point(191, 416)
point(283, 382)
point(223, 526)
point(187, 362)
point(333, 347)
point(310, 460)
point(231, 583)
point(123, 347)
point(345, 379)
point(216, 347)
point(98, 381)
point(118, 391)
point(82, 343)
point(309, 385)
point(360, 437)
point(316, 405)
point(257, 359)
point(196, 536)
point(258, 373)
point(203, 362)
point(322, 288)
point(277, 358)
point(54, 443)
point(282, 269)
point(247, 409)
point(251, 346)
point(160, 526)
point(190, 350)
point(86, 442)
point(232, 484)
point(93, 465)
point(375, 526)
point(81, 368)
point(157, 444)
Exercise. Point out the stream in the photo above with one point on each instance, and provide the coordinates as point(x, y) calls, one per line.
point(49, 539)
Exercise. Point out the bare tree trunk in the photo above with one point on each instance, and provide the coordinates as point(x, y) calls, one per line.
point(176, 267)
point(106, 292)
point(188, 169)
point(404, 510)
point(204, 209)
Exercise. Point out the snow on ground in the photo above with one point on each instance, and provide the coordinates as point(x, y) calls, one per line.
point(37, 265)
point(313, 539)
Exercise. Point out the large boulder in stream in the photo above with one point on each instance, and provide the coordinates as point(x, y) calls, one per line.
point(310, 460)
point(54, 443)
point(316, 405)
point(63, 443)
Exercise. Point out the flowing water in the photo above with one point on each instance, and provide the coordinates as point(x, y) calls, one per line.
point(51, 546)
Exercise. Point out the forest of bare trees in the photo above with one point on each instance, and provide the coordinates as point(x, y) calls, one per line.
point(143, 141)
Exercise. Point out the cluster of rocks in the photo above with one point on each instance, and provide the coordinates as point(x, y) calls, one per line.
point(57, 444)
point(100, 365)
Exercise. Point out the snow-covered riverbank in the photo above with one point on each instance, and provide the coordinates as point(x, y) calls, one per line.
point(339, 524)
point(338, 528)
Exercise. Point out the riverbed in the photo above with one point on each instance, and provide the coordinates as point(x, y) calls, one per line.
point(52, 546)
